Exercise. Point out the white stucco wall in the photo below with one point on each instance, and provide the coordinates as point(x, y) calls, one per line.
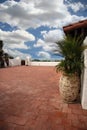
point(15, 62)
point(28, 61)
point(44, 63)
point(84, 81)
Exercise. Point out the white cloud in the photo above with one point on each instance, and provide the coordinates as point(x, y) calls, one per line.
point(16, 39)
point(76, 6)
point(16, 53)
point(16, 46)
point(48, 43)
point(43, 32)
point(25, 14)
point(53, 35)
point(72, 19)
point(44, 55)
point(39, 43)
point(32, 14)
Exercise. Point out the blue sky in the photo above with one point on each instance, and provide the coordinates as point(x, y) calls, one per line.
point(31, 27)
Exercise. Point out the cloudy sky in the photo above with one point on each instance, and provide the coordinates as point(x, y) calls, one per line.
point(31, 27)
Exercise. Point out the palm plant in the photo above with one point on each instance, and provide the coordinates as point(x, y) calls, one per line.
point(1, 54)
point(71, 49)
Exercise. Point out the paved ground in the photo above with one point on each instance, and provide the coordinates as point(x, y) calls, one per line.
point(29, 100)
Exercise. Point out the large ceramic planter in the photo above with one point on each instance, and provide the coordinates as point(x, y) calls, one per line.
point(69, 87)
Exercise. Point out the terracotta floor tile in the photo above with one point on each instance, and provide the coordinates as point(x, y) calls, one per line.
point(30, 100)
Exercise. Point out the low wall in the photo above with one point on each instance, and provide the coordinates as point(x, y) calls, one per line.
point(44, 63)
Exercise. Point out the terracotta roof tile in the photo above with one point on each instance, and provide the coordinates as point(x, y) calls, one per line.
point(80, 24)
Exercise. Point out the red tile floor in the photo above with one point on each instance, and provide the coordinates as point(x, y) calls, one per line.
point(29, 100)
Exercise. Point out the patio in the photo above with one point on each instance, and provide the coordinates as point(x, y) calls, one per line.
point(29, 100)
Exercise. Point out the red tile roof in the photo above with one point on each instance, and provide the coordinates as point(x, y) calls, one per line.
point(80, 24)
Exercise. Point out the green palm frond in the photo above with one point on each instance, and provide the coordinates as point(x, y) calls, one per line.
point(71, 49)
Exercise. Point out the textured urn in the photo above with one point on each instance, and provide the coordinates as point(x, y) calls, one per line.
point(69, 87)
